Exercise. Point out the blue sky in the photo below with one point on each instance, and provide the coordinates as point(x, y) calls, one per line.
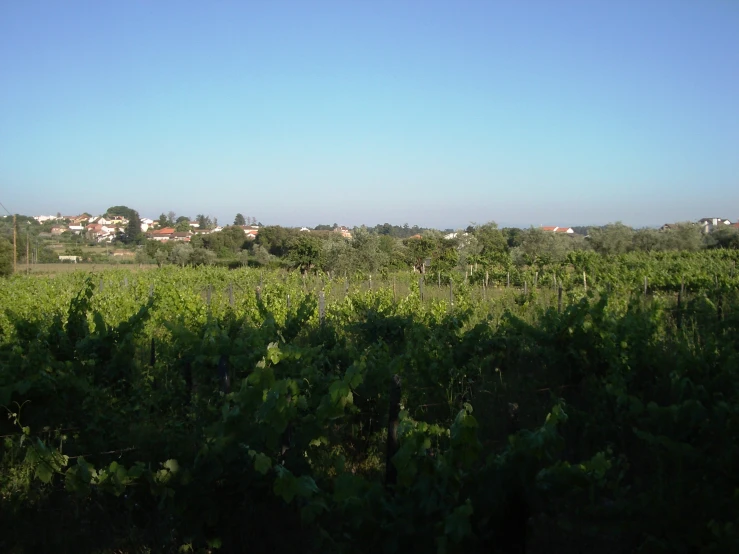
point(426, 112)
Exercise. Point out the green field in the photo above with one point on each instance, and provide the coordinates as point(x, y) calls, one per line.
point(208, 410)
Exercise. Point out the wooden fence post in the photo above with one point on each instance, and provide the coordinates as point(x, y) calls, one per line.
point(525, 288)
point(508, 280)
point(420, 287)
point(646, 285)
point(584, 281)
point(259, 294)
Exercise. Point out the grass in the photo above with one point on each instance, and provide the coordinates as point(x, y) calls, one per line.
point(66, 267)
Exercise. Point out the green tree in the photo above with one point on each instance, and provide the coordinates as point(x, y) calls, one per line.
point(161, 257)
point(142, 257)
point(276, 239)
point(305, 252)
point(163, 221)
point(204, 221)
point(493, 244)
point(723, 238)
point(182, 226)
point(132, 233)
point(419, 249)
point(124, 211)
point(6, 257)
point(612, 239)
point(181, 254)
point(201, 256)
point(445, 256)
point(239, 220)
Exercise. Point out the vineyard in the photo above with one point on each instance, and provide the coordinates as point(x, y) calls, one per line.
point(591, 406)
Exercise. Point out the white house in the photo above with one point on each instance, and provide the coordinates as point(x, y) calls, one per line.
point(710, 224)
point(565, 230)
point(42, 218)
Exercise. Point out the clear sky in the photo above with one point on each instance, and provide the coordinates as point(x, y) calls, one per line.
point(432, 113)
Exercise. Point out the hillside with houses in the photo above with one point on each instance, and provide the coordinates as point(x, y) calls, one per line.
point(121, 235)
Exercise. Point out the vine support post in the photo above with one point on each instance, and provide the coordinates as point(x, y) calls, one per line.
point(525, 288)
point(391, 473)
point(559, 299)
point(231, 294)
point(288, 302)
point(536, 279)
point(223, 374)
point(394, 293)
point(584, 281)
point(259, 293)
point(321, 307)
point(420, 288)
point(151, 290)
point(646, 285)
point(508, 280)
point(451, 294)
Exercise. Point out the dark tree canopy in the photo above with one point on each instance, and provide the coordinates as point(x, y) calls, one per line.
point(124, 211)
point(239, 219)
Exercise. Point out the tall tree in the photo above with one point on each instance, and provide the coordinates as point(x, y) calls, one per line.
point(204, 221)
point(133, 233)
point(163, 221)
point(239, 220)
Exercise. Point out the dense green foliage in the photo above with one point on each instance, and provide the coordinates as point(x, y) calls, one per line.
point(206, 409)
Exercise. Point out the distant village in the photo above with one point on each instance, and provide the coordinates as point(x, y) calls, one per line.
point(105, 229)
